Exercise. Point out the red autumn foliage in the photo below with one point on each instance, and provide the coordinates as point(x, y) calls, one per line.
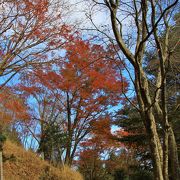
point(12, 108)
point(122, 133)
point(85, 83)
point(30, 31)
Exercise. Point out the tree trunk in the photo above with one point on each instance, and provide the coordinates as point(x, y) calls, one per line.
point(1, 165)
point(68, 159)
point(165, 155)
point(174, 170)
point(156, 152)
point(144, 100)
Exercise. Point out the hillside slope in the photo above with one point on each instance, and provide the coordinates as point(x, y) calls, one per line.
point(25, 165)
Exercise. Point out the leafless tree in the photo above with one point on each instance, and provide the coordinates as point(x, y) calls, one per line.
point(149, 21)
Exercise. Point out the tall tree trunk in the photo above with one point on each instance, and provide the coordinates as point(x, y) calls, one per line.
point(165, 155)
point(155, 147)
point(1, 165)
point(68, 156)
point(68, 159)
point(144, 100)
point(174, 170)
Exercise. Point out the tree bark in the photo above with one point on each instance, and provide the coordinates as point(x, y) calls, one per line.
point(174, 170)
point(1, 164)
point(156, 152)
point(68, 159)
point(144, 100)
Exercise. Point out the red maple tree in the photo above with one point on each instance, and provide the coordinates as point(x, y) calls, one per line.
point(86, 84)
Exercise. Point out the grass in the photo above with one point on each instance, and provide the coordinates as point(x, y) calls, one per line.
point(25, 165)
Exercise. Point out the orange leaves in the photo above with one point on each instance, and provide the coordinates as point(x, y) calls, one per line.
point(84, 83)
point(30, 31)
point(122, 133)
point(101, 137)
point(90, 64)
point(87, 73)
point(12, 108)
point(38, 7)
point(29, 90)
point(102, 127)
